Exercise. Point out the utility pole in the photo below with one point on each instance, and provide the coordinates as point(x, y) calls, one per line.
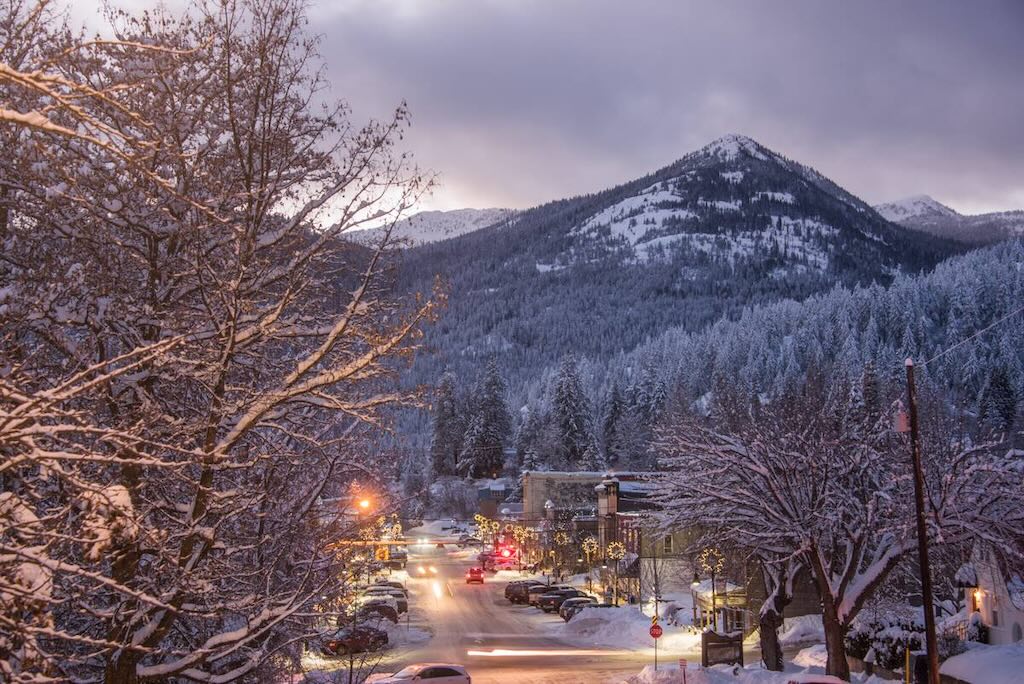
point(922, 529)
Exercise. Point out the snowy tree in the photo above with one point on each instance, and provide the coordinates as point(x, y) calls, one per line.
point(489, 428)
point(446, 444)
point(192, 352)
point(998, 405)
point(570, 417)
point(791, 483)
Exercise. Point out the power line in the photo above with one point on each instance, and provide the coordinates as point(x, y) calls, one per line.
point(977, 334)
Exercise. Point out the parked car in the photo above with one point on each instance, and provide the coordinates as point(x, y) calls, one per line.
point(356, 639)
point(569, 604)
point(398, 560)
point(538, 590)
point(469, 540)
point(367, 607)
point(390, 583)
point(475, 575)
point(517, 588)
point(401, 601)
point(436, 673)
point(576, 610)
point(552, 600)
point(521, 593)
point(813, 679)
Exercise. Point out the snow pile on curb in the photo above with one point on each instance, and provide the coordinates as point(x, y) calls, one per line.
point(400, 635)
point(625, 627)
point(723, 674)
point(987, 664)
point(804, 629)
point(815, 656)
point(719, 674)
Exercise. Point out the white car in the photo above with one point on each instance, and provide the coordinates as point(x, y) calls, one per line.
point(813, 679)
point(435, 673)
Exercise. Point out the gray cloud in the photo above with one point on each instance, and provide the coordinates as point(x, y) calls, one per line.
point(519, 102)
point(516, 102)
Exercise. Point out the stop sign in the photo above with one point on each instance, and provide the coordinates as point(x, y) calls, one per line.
point(656, 631)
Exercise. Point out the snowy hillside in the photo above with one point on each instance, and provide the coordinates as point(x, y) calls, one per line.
point(733, 200)
point(925, 214)
point(432, 226)
point(729, 226)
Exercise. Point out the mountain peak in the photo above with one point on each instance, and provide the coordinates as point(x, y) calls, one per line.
point(730, 146)
point(918, 206)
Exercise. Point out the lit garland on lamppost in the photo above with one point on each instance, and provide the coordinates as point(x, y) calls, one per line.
point(590, 547)
point(712, 561)
point(616, 551)
point(520, 534)
point(561, 541)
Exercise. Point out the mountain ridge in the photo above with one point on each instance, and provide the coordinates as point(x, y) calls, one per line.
point(924, 213)
point(729, 226)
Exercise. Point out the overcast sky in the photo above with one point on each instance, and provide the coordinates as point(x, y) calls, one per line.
point(516, 102)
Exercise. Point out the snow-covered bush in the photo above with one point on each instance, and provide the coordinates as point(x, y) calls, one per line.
point(885, 640)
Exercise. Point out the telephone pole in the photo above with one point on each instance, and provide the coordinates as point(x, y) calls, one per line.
point(922, 529)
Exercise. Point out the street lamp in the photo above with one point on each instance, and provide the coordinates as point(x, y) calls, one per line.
point(712, 561)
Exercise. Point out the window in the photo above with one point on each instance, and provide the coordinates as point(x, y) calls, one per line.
point(1017, 636)
point(995, 618)
point(667, 546)
point(436, 672)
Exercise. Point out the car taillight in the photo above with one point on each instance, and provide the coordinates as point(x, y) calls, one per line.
point(333, 645)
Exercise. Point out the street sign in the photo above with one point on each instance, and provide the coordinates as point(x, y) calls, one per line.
point(656, 631)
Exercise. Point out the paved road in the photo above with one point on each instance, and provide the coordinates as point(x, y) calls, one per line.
point(474, 625)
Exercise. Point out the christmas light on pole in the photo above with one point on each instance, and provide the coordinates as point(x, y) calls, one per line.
point(616, 551)
point(712, 561)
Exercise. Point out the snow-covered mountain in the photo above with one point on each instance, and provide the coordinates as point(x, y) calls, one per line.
point(732, 200)
point(925, 214)
point(432, 226)
point(727, 227)
point(916, 207)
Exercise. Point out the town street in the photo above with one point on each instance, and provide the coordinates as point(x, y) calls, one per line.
point(475, 625)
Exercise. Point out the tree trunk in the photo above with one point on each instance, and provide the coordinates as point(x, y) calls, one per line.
point(835, 643)
point(121, 669)
point(771, 649)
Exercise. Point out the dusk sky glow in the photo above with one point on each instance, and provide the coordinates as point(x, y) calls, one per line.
point(518, 102)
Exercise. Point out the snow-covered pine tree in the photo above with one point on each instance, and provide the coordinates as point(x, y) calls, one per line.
point(447, 440)
point(484, 450)
point(998, 406)
point(613, 410)
point(570, 413)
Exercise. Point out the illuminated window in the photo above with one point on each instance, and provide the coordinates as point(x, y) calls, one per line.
point(667, 545)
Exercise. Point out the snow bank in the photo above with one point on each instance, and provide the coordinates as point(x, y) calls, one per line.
point(814, 656)
point(626, 627)
point(400, 635)
point(804, 629)
point(987, 664)
point(719, 674)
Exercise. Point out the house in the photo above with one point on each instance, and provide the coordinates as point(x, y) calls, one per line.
point(996, 596)
point(658, 562)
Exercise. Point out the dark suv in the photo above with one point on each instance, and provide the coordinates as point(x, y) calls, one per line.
point(553, 601)
point(354, 640)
